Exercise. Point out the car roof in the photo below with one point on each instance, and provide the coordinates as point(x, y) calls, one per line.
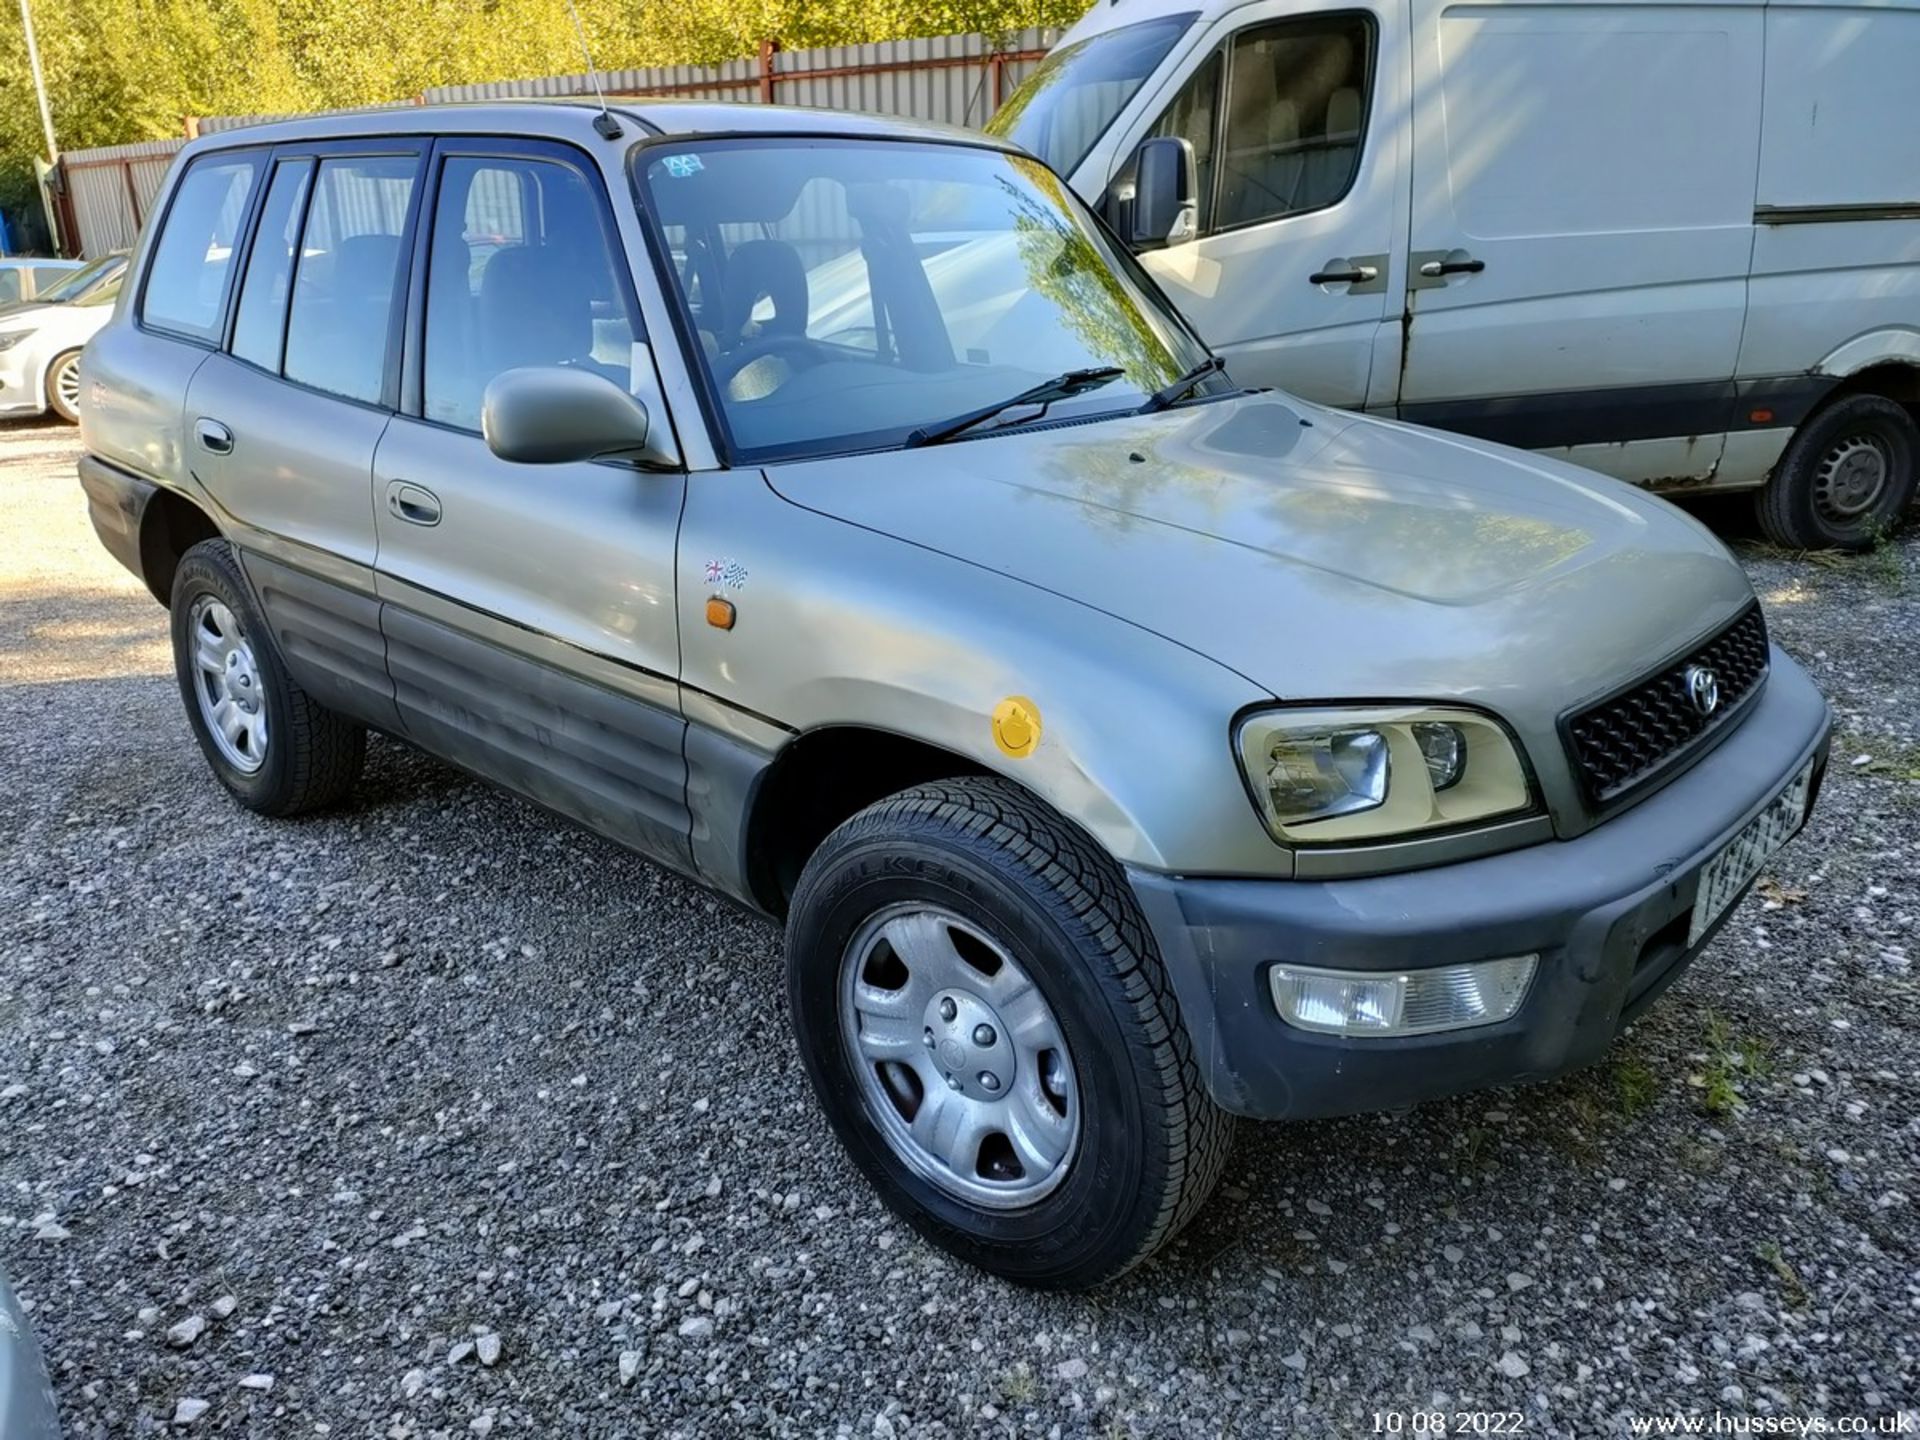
point(573, 118)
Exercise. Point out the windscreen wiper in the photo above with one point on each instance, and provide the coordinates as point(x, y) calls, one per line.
point(1061, 387)
point(1179, 389)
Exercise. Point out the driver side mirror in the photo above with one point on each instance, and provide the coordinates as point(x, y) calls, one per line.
point(1166, 191)
point(549, 415)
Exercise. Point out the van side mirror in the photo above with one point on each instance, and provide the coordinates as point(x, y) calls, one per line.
point(1166, 191)
point(548, 415)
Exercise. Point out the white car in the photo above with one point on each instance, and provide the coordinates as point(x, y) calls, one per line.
point(40, 343)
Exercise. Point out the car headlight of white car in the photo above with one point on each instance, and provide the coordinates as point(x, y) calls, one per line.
point(1344, 775)
point(11, 338)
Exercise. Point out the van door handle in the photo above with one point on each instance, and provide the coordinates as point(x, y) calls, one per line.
point(214, 438)
point(412, 504)
point(1358, 275)
point(1434, 269)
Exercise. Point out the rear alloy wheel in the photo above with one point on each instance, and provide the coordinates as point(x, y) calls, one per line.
point(1845, 478)
point(278, 750)
point(988, 1025)
point(63, 387)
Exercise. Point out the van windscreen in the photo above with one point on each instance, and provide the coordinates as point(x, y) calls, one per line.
point(1065, 106)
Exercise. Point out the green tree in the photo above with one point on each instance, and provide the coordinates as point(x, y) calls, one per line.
point(123, 70)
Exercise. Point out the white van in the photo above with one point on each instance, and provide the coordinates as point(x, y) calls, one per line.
point(1679, 243)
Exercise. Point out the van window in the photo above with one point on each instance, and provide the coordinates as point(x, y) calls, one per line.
point(1194, 117)
point(186, 288)
point(522, 272)
point(348, 275)
point(1297, 94)
point(262, 317)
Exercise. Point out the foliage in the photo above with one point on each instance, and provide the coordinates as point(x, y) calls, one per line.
point(122, 70)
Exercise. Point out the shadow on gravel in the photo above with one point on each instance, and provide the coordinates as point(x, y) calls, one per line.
point(49, 634)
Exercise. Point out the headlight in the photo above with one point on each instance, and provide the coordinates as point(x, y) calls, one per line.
point(1340, 776)
point(12, 338)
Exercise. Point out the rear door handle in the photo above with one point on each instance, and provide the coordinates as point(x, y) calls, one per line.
point(214, 438)
point(412, 504)
point(1433, 269)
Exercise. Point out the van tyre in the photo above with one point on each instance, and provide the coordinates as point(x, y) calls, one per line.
point(63, 387)
point(986, 1020)
point(1845, 478)
point(268, 741)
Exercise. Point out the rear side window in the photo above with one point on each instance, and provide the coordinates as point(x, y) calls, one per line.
point(262, 318)
point(186, 288)
point(348, 275)
point(522, 272)
point(10, 285)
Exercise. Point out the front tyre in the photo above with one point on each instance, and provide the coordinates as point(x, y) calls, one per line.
point(63, 387)
point(268, 741)
point(988, 1025)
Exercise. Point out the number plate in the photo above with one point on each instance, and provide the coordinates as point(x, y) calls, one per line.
point(1733, 869)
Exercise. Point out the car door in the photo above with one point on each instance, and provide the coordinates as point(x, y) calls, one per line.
point(1581, 228)
point(530, 616)
point(282, 422)
point(1294, 122)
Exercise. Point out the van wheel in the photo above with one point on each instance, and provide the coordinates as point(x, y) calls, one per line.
point(1845, 478)
point(268, 741)
point(987, 1023)
point(63, 387)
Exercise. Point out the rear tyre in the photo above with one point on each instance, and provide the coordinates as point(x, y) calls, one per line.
point(268, 741)
point(987, 1023)
point(63, 387)
point(1846, 477)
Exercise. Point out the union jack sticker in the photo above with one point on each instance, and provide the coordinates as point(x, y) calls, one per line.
point(730, 573)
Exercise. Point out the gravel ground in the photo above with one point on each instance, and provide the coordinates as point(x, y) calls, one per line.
point(434, 1117)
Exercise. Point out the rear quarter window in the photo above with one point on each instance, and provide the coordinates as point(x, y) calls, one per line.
point(187, 280)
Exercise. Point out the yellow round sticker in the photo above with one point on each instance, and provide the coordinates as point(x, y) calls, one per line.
point(1016, 726)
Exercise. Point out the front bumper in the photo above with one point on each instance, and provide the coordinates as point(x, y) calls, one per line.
point(1607, 912)
point(19, 385)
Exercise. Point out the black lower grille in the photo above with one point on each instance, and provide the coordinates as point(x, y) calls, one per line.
point(1627, 739)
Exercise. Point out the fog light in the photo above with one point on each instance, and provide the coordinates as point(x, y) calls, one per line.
point(1368, 1003)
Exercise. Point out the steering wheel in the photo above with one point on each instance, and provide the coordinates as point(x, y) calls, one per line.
point(798, 350)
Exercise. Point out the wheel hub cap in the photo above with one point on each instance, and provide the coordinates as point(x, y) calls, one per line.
point(1851, 477)
point(227, 685)
point(961, 1062)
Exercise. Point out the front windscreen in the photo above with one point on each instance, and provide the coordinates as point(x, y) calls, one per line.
point(1063, 108)
point(77, 284)
point(843, 293)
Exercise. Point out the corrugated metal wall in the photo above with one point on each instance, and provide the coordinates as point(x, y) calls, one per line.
point(956, 79)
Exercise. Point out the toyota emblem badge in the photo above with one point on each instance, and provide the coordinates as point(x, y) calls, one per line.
point(1703, 689)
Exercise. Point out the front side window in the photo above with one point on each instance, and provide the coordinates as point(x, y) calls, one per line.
point(1194, 116)
point(186, 286)
point(10, 284)
point(522, 272)
point(843, 294)
point(348, 276)
point(1297, 98)
point(1063, 108)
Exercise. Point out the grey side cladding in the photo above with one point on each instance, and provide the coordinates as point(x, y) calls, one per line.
point(329, 637)
point(607, 760)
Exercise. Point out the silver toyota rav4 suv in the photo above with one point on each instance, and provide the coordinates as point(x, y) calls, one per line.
point(829, 509)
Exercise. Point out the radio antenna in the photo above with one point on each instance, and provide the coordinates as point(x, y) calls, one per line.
point(604, 121)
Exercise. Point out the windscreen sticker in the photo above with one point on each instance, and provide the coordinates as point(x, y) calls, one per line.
point(681, 166)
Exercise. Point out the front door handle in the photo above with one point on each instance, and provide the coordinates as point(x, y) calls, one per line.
point(1361, 274)
point(412, 504)
point(214, 438)
point(1434, 269)
point(1358, 275)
